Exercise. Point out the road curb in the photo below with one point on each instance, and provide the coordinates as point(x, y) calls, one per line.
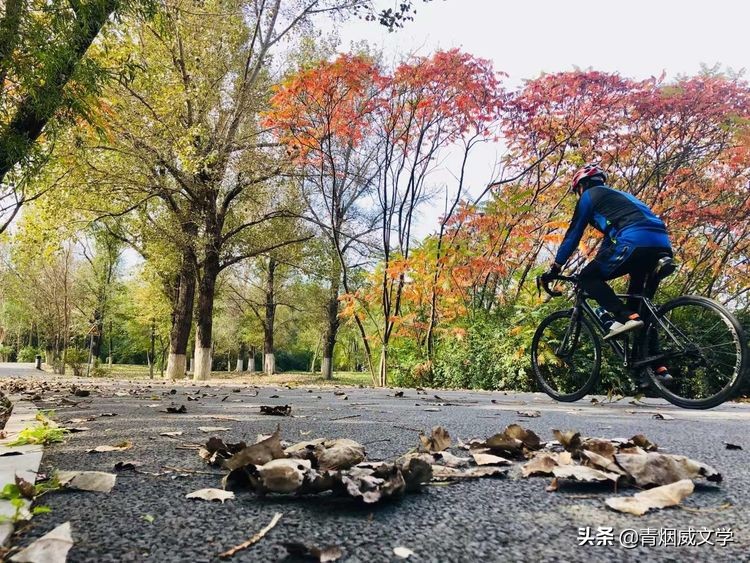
point(23, 461)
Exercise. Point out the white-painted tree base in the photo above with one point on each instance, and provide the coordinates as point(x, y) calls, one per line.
point(326, 368)
point(176, 366)
point(239, 365)
point(202, 363)
point(269, 364)
point(251, 365)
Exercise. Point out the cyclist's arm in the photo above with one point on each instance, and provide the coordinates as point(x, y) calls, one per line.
point(581, 217)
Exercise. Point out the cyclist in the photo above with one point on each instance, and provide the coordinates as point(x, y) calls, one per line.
point(635, 239)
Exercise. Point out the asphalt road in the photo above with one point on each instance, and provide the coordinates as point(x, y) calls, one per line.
point(509, 519)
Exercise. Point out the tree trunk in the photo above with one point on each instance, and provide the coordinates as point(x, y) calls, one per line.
point(241, 358)
point(251, 360)
point(383, 371)
point(269, 361)
point(204, 317)
point(182, 315)
point(96, 344)
point(332, 322)
point(315, 355)
point(109, 338)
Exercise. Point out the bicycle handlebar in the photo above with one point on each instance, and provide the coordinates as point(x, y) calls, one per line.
point(544, 284)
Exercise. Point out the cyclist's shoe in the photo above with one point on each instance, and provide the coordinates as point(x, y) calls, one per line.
point(663, 375)
point(631, 322)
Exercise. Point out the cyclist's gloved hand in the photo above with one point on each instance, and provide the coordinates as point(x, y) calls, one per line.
point(554, 270)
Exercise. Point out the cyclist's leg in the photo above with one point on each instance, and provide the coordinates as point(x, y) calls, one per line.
point(612, 261)
point(592, 280)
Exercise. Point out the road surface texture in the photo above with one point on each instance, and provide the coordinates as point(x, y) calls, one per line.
point(510, 519)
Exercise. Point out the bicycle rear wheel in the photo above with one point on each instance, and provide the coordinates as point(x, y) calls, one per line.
point(565, 357)
point(706, 352)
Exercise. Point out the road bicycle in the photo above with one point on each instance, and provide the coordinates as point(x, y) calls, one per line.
point(701, 343)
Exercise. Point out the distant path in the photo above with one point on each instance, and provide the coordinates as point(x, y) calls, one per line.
point(13, 369)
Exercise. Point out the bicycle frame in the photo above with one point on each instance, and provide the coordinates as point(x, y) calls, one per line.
point(622, 348)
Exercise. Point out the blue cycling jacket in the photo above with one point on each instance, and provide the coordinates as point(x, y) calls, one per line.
point(625, 221)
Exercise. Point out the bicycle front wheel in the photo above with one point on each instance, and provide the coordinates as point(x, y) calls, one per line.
point(565, 356)
point(704, 349)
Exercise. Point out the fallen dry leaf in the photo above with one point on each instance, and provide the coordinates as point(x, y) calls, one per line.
point(341, 453)
point(402, 552)
point(450, 460)
point(182, 409)
point(732, 446)
point(127, 465)
point(601, 462)
point(540, 464)
point(489, 459)
point(655, 468)
point(604, 448)
point(211, 494)
point(171, 434)
point(582, 473)
point(528, 437)
point(80, 420)
point(256, 454)
point(213, 428)
point(569, 439)
point(662, 416)
point(442, 473)
point(280, 475)
point(642, 442)
point(529, 414)
point(438, 440)
point(52, 547)
point(117, 448)
point(658, 497)
point(371, 484)
point(253, 540)
point(93, 481)
point(280, 410)
point(313, 553)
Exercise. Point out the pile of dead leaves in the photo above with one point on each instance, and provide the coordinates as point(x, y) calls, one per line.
point(315, 466)
point(340, 466)
point(627, 462)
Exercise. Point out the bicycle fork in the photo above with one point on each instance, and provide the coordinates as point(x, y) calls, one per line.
point(570, 340)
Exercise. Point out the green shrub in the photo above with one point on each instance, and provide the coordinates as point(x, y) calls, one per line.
point(28, 354)
point(5, 352)
point(491, 353)
point(76, 358)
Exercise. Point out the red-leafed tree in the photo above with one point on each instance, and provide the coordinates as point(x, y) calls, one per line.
point(358, 132)
point(325, 117)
